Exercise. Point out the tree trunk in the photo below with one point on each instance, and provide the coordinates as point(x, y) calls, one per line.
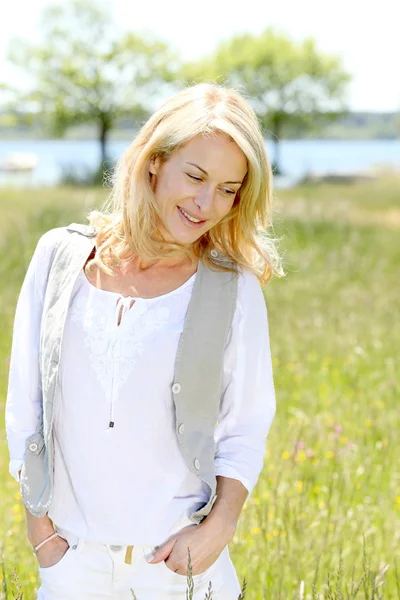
point(103, 143)
point(276, 140)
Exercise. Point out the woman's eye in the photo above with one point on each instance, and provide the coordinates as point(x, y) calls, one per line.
point(229, 192)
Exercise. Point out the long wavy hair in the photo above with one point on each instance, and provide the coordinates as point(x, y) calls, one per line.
point(127, 224)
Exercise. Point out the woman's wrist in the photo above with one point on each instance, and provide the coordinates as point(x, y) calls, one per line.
point(220, 523)
point(38, 528)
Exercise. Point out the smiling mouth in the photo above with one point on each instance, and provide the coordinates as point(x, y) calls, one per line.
point(188, 218)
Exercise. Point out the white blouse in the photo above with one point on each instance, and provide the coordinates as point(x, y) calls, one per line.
point(110, 479)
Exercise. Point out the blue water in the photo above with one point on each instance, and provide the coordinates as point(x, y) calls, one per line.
point(297, 157)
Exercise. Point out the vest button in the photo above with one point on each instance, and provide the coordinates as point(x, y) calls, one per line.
point(197, 463)
point(181, 428)
point(214, 253)
point(176, 388)
point(33, 447)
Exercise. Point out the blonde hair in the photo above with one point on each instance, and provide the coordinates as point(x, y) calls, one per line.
point(127, 224)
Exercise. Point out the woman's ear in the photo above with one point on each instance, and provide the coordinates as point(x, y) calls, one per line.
point(154, 165)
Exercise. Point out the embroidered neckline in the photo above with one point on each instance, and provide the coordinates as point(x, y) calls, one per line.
point(112, 294)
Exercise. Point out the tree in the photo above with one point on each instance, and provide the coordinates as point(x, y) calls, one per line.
point(86, 70)
point(290, 85)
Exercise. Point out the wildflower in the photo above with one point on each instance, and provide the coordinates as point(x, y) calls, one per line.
point(255, 531)
point(286, 455)
point(301, 456)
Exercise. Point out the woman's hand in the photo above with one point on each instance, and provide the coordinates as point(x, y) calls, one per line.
point(204, 546)
point(52, 552)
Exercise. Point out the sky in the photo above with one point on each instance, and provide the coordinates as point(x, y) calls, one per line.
point(363, 34)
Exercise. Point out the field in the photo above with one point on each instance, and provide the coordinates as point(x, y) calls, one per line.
point(325, 515)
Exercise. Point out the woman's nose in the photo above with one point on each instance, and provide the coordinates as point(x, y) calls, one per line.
point(205, 200)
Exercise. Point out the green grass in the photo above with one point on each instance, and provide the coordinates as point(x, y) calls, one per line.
point(326, 509)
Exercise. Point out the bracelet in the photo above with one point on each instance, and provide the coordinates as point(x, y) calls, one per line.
point(46, 540)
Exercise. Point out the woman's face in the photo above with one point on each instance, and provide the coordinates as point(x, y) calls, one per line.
point(201, 179)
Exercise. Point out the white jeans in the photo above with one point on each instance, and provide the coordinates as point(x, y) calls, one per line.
point(95, 571)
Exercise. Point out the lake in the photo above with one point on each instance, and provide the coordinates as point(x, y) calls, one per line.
point(297, 157)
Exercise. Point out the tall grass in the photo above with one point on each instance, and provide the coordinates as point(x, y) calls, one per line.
point(323, 520)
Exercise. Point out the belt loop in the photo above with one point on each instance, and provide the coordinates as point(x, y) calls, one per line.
point(128, 555)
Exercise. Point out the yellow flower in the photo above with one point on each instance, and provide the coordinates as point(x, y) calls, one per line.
point(265, 495)
point(300, 456)
point(285, 455)
point(16, 508)
point(255, 531)
point(268, 536)
point(299, 485)
point(317, 489)
point(329, 454)
point(398, 500)
point(275, 532)
point(290, 366)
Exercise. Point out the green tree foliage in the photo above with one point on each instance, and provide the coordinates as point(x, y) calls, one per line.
point(85, 70)
point(292, 86)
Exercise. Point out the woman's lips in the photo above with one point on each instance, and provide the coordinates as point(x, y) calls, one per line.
point(187, 222)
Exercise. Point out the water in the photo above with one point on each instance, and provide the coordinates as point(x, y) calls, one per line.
point(297, 157)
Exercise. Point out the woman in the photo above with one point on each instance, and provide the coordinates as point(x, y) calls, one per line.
point(195, 183)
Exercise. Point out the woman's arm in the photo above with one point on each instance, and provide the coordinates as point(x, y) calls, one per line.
point(23, 410)
point(248, 404)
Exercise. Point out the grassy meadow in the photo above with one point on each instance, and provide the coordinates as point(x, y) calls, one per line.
point(324, 519)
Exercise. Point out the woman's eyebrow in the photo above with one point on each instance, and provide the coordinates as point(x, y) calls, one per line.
point(205, 172)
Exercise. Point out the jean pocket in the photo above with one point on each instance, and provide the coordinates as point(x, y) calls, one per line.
point(203, 578)
point(70, 552)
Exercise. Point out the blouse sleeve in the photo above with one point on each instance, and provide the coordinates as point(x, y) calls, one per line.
point(248, 403)
point(23, 409)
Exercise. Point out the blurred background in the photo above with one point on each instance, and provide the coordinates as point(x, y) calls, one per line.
point(77, 80)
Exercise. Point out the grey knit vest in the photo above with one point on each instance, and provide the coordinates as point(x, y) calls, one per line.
point(196, 387)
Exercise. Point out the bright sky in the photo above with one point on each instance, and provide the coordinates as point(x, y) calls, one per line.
point(364, 34)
